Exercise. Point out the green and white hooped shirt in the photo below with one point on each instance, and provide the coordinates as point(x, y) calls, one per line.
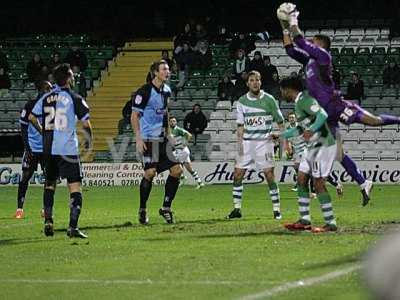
point(257, 115)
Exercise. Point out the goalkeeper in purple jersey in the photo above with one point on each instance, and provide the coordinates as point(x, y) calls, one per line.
point(314, 56)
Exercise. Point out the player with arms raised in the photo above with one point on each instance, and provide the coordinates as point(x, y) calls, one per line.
point(318, 63)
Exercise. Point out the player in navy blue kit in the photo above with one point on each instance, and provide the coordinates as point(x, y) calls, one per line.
point(59, 109)
point(33, 148)
point(150, 123)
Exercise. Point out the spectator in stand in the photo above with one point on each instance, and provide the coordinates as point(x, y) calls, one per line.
point(336, 77)
point(203, 56)
point(80, 81)
point(76, 57)
point(185, 60)
point(226, 89)
point(187, 36)
point(355, 88)
point(125, 122)
point(273, 87)
point(55, 61)
point(391, 75)
point(44, 73)
point(257, 64)
point(222, 37)
point(50, 78)
point(5, 82)
point(241, 87)
point(242, 42)
point(195, 122)
point(34, 68)
point(200, 33)
point(268, 71)
point(241, 64)
point(165, 56)
point(3, 62)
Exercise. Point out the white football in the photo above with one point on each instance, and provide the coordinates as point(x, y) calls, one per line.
point(284, 10)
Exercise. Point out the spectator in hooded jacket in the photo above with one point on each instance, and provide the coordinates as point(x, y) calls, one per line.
point(77, 57)
point(34, 68)
point(226, 89)
point(195, 122)
point(391, 75)
point(257, 64)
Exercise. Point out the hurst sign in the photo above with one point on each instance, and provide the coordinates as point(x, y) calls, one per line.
point(127, 174)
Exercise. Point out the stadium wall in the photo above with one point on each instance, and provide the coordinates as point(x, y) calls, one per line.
point(127, 174)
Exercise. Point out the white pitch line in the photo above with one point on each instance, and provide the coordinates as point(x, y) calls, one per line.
point(127, 282)
point(300, 283)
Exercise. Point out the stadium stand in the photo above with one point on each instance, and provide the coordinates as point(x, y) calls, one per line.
point(19, 52)
point(362, 47)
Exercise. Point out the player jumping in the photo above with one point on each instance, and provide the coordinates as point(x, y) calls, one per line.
point(150, 124)
point(182, 152)
point(60, 108)
point(256, 110)
point(318, 63)
point(33, 148)
point(319, 155)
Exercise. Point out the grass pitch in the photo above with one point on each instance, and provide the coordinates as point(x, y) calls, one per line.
point(202, 256)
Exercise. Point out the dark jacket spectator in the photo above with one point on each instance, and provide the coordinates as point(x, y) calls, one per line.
point(5, 82)
point(187, 36)
point(55, 61)
point(391, 74)
point(257, 64)
point(44, 73)
point(125, 122)
point(222, 37)
point(355, 88)
point(76, 57)
point(195, 122)
point(200, 33)
point(242, 42)
point(226, 89)
point(4, 62)
point(203, 56)
point(165, 56)
point(186, 58)
point(80, 82)
point(34, 68)
point(241, 64)
point(241, 87)
point(273, 87)
point(268, 72)
point(336, 77)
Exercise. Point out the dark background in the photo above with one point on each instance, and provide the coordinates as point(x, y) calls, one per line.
point(133, 19)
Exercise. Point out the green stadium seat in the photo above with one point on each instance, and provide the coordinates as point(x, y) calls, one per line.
point(363, 51)
point(347, 51)
point(378, 51)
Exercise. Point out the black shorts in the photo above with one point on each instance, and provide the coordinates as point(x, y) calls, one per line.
point(31, 162)
point(68, 166)
point(158, 155)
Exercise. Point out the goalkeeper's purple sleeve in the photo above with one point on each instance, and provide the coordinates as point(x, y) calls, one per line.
point(297, 54)
point(319, 54)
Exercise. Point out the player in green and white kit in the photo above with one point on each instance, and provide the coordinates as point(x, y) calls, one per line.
point(256, 110)
point(319, 155)
point(181, 150)
point(297, 146)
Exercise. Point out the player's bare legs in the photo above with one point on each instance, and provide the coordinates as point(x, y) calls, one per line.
point(237, 192)
point(273, 192)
